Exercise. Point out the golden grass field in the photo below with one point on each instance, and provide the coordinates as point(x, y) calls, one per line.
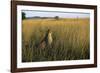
point(70, 39)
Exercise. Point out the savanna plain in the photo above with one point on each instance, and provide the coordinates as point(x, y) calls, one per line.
point(70, 39)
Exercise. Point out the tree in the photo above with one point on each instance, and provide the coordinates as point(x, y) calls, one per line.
point(56, 17)
point(23, 15)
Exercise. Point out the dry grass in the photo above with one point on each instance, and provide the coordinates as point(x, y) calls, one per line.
point(70, 39)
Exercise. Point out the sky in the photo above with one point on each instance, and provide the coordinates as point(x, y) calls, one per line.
point(32, 13)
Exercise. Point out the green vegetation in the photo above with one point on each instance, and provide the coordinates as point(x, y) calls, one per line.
point(23, 15)
point(70, 39)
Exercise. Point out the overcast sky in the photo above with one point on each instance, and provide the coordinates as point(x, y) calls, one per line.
point(53, 14)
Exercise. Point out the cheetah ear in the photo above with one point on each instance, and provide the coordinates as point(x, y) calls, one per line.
point(48, 30)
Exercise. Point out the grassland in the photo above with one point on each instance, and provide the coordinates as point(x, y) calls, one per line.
point(70, 39)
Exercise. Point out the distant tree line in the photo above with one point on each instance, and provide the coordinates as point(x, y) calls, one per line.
point(56, 17)
point(23, 15)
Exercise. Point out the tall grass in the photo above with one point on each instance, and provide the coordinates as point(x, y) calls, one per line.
point(70, 39)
